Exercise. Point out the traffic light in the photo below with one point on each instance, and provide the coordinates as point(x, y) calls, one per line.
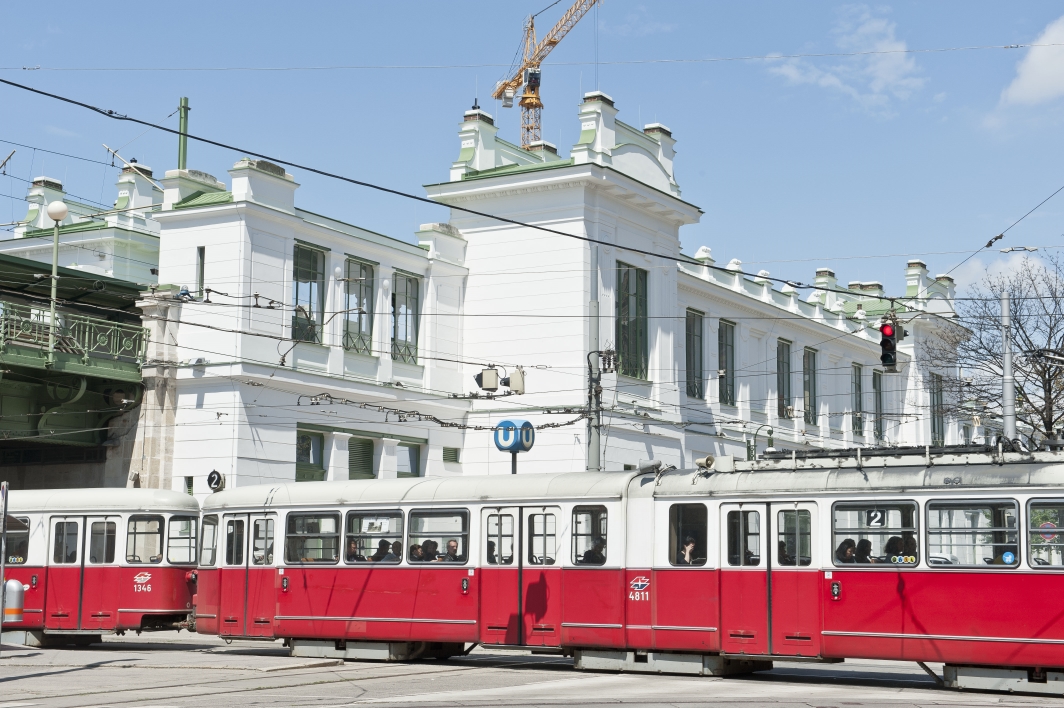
point(488, 379)
point(889, 343)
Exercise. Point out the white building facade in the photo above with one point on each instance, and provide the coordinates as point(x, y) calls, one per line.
point(286, 345)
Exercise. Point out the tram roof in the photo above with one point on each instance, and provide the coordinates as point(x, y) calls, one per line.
point(100, 500)
point(460, 490)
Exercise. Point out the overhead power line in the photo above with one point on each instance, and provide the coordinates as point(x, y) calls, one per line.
point(401, 67)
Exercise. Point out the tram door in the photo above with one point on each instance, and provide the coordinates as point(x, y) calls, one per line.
point(520, 583)
point(794, 580)
point(744, 579)
point(100, 574)
point(247, 597)
point(62, 586)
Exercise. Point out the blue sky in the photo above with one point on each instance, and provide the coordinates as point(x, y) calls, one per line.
point(796, 162)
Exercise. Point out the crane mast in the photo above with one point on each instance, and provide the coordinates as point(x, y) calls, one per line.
point(529, 73)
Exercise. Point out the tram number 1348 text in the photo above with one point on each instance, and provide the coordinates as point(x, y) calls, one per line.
point(639, 595)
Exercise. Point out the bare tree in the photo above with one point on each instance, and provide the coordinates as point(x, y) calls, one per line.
point(968, 354)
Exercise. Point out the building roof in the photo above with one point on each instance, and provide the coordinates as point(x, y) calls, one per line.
point(74, 286)
point(100, 500)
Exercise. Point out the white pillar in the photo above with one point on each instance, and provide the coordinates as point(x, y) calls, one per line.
point(388, 466)
point(338, 457)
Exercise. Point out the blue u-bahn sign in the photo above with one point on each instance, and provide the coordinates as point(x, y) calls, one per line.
point(514, 435)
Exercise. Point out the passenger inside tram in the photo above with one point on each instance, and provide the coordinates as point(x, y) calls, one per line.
point(384, 552)
point(352, 551)
point(397, 549)
point(845, 552)
point(687, 552)
point(416, 554)
point(783, 556)
point(452, 555)
point(429, 552)
point(493, 556)
point(863, 553)
point(596, 555)
point(893, 549)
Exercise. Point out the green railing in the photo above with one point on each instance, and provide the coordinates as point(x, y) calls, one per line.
point(85, 337)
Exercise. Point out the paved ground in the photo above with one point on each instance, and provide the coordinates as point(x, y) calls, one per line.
point(170, 669)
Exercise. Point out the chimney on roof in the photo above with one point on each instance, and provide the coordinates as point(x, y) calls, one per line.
point(265, 183)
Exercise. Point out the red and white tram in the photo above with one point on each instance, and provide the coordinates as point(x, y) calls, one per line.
point(685, 570)
point(100, 561)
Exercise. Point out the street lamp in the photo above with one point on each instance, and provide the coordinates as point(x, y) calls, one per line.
point(57, 211)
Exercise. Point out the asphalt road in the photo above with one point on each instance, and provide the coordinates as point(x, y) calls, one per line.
point(170, 669)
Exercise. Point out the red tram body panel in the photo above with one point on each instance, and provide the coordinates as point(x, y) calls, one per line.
point(773, 561)
point(99, 561)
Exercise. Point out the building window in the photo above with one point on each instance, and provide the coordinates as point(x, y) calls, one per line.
point(726, 361)
point(358, 321)
point(695, 375)
point(784, 407)
point(310, 464)
point(857, 405)
point(451, 454)
point(201, 258)
point(632, 352)
point(809, 385)
point(407, 461)
point(308, 294)
point(877, 402)
point(360, 459)
point(405, 319)
point(938, 416)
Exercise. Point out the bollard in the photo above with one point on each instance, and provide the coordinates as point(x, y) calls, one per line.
point(13, 600)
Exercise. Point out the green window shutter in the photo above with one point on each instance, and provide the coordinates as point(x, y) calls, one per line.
point(360, 459)
point(450, 454)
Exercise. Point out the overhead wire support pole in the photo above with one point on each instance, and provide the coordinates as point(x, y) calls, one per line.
point(3, 556)
point(182, 141)
point(1008, 380)
point(594, 375)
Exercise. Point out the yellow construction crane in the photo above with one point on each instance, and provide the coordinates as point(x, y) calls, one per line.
point(529, 74)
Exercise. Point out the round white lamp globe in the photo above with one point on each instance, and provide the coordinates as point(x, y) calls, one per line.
point(339, 272)
point(57, 211)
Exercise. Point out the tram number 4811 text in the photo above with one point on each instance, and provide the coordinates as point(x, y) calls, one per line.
point(639, 595)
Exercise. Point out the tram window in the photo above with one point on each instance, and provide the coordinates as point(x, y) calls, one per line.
point(18, 540)
point(438, 536)
point(687, 534)
point(182, 542)
point(542, 539)
point(744, 538)
point(1045, 544)
point(973, 533)
point(102, 541)
point(144, 539)
point(66, 542)
point(262, 542)
point(589, 535)
point(875, 533)
point(499, 543)
point(313, 538)
point(374, 537)
point(234, 542)
point(209, 547)
point(794, 537)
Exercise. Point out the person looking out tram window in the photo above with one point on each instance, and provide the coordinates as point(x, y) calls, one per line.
point(352, 550)
point(416, 555)
point(845, 552)
point(783, 557)
point(596, 555)
point(893, 549)
point(429, 552)
point(908, 545)
point(397, 549)
point(687, 552)
point(384, 552)
point(452, 555)
point(863, 552)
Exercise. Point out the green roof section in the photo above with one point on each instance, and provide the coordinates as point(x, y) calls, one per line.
point(199, 199)
point(75, 228)
point(516, 169)
point(75, 286)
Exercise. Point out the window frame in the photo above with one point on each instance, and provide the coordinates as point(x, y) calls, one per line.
point(360, 291)
point(416, 454)
point(338, 516)
point(726, 390)
point(194, 538)
point(675, 546)
point(310, 471)
point(977, 501)
point(466, 535)
point(797, 511)
point(762, 560)
point(532, 535)
point(604, 535)
point(857, 417)
point(362, 513)
point(1030, 531)
point(208, 520)
point(269, 550)
point(24, 520)
point(65, 536)
point(108, 559)
point(499, 535)
point(405, 349)
point(938, 413)
point(810, 404)
point(694, 351)
point(879, 429)
point(231, 561)
point(131, 536)
point(304, 328)
point(784, 394)
point(631, 330)
point(921, 557)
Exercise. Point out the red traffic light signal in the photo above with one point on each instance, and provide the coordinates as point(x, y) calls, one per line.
point(887, 330)
point(889, 344)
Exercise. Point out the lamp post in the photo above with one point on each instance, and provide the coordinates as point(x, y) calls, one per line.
point(752, 451)
point(57, 211)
